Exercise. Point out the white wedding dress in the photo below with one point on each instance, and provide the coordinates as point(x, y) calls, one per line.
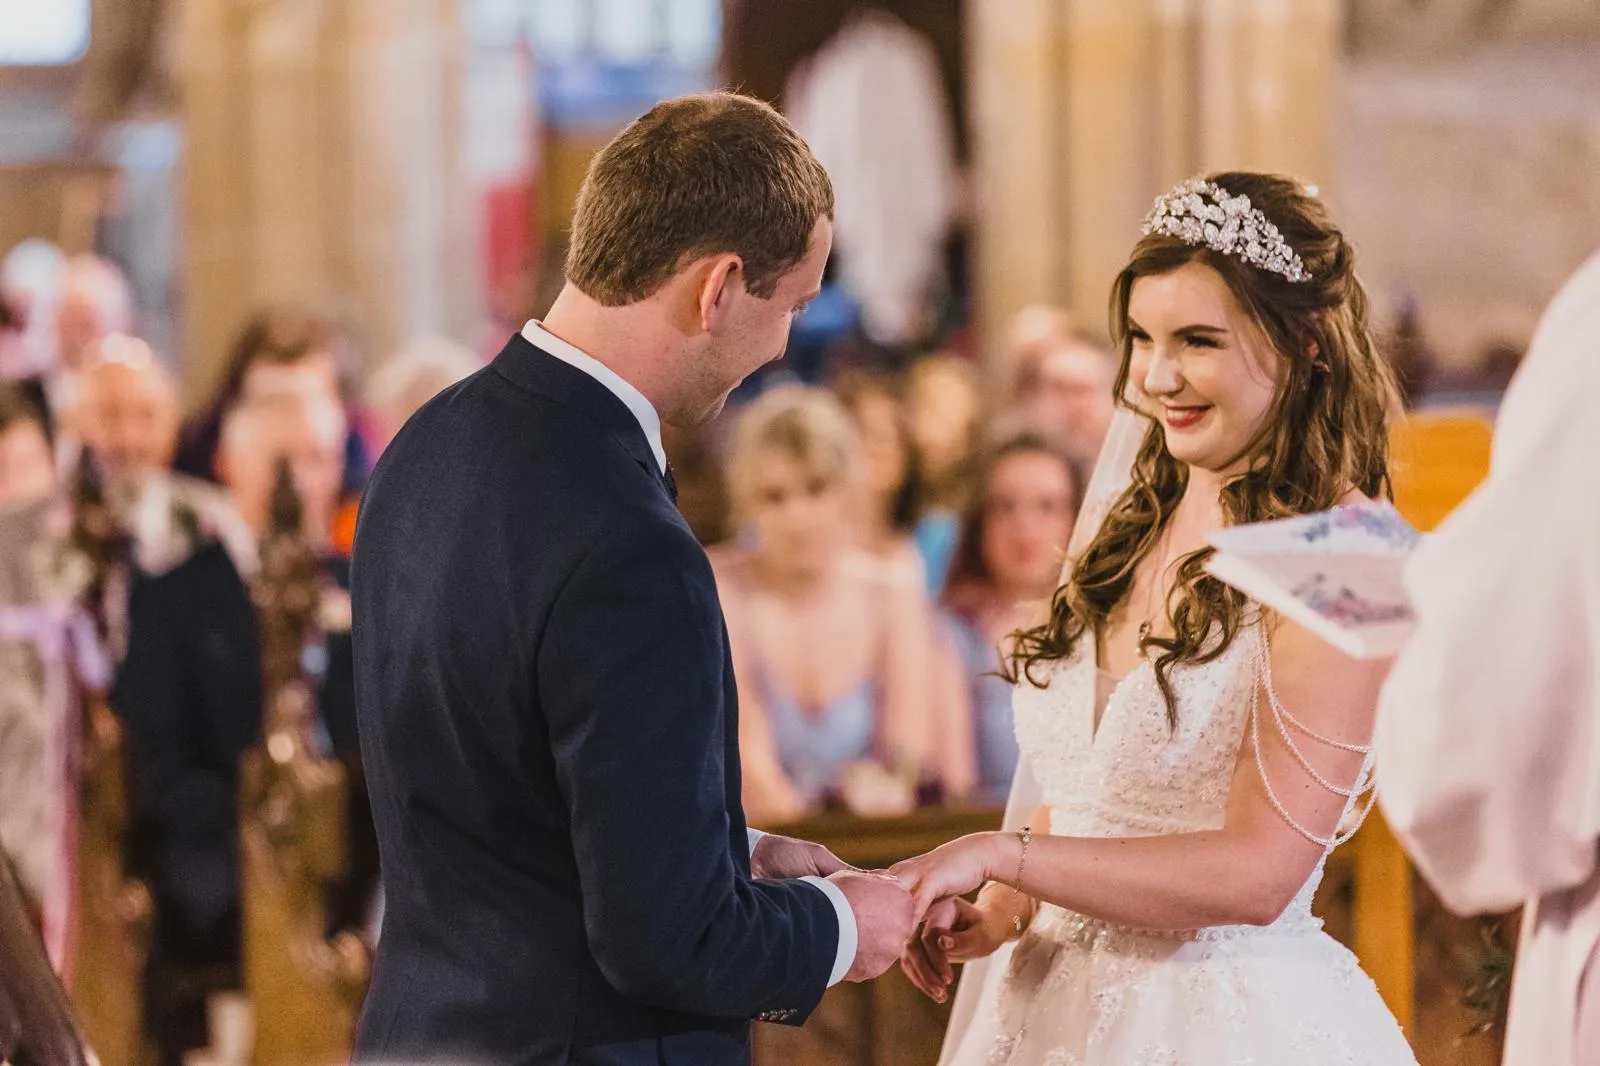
point(1075, 991)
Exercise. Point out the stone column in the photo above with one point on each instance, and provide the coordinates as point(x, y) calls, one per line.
point(215, 249)
point(291, 108)
point(1111, 113)
point(324, 162)
point(410, 250)
point(1085, 110)
point(1014, 54)
point(1175, 70)
point(1269, 70)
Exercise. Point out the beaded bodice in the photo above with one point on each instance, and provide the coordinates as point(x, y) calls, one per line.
point(1137, 775)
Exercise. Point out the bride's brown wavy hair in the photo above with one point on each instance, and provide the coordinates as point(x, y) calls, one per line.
point(1328, 433)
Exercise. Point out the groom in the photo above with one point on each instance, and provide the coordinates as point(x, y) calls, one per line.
point(546, 700)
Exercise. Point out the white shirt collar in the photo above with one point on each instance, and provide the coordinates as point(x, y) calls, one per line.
point(535, 334)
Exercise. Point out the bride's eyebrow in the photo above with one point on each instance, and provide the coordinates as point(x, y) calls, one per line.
point(1191, 330)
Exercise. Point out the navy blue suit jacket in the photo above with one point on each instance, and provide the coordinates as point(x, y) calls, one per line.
point(550, 731)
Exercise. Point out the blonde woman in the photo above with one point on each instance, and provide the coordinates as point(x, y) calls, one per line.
point(835, 658)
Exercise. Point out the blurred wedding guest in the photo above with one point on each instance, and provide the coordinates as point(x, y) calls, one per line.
point(30, 281)
point(189, 693)
point(1415, 365)
point(95, 301)
point(128, 416)
point(307, 428)
point(27, 464)
point(1006, 568)
point(128, 409)
point(278, 347)
point(702, 483)
point(49, 655)
point(834, 657)
point(946, 411)
point(15, 360)
point(1497, 366)
point(1063, 385)
point(888, 501)
point(870, 102)
point(31, 276)
point(1488, 731)
point(304, 426)
point(1035, 330)
point(945, 403)
point(410, 378)
point(16, 365)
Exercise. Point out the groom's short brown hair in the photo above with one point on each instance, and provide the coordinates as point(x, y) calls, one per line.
point(696, 176)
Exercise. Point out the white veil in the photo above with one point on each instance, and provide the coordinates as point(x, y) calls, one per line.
point(1113, 472)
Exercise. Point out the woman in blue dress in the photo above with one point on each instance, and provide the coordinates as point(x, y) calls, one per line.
point(836, 656)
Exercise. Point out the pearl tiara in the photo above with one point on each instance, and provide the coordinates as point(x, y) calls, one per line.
point(1203, 212)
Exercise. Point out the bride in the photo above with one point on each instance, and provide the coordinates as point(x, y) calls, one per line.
point(1190, 759)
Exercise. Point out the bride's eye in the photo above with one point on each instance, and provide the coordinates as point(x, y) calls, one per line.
point(1138, 336)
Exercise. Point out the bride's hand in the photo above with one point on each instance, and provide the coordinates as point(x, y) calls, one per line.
point(954, 869)
point(955, 931)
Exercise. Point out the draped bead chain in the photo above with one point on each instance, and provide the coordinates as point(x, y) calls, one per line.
point(1284, 721)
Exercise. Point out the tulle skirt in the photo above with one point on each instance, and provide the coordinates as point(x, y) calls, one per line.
point(1078, 992)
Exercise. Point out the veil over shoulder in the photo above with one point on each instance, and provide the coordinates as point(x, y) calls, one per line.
point(1113, 473)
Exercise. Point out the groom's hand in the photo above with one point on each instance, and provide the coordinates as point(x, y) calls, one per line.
point(778, 858)
point(885, 921)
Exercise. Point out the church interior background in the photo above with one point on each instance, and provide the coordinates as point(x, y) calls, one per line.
point(411, 165)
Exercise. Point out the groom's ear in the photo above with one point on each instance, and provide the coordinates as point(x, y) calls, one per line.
point(720, 281)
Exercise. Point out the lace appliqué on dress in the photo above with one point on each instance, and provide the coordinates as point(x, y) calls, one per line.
point(1078, 990)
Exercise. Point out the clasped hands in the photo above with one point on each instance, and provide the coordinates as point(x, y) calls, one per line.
point(949, 928)
point(914, 914)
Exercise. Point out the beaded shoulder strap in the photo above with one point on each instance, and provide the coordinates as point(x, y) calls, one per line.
point(1287, 725)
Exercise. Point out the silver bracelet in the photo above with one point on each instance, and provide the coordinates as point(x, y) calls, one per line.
point(1022, 862)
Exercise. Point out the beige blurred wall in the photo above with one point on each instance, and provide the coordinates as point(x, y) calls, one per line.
point(1457, 140)
point(1469, 148)
point(1426, 29)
